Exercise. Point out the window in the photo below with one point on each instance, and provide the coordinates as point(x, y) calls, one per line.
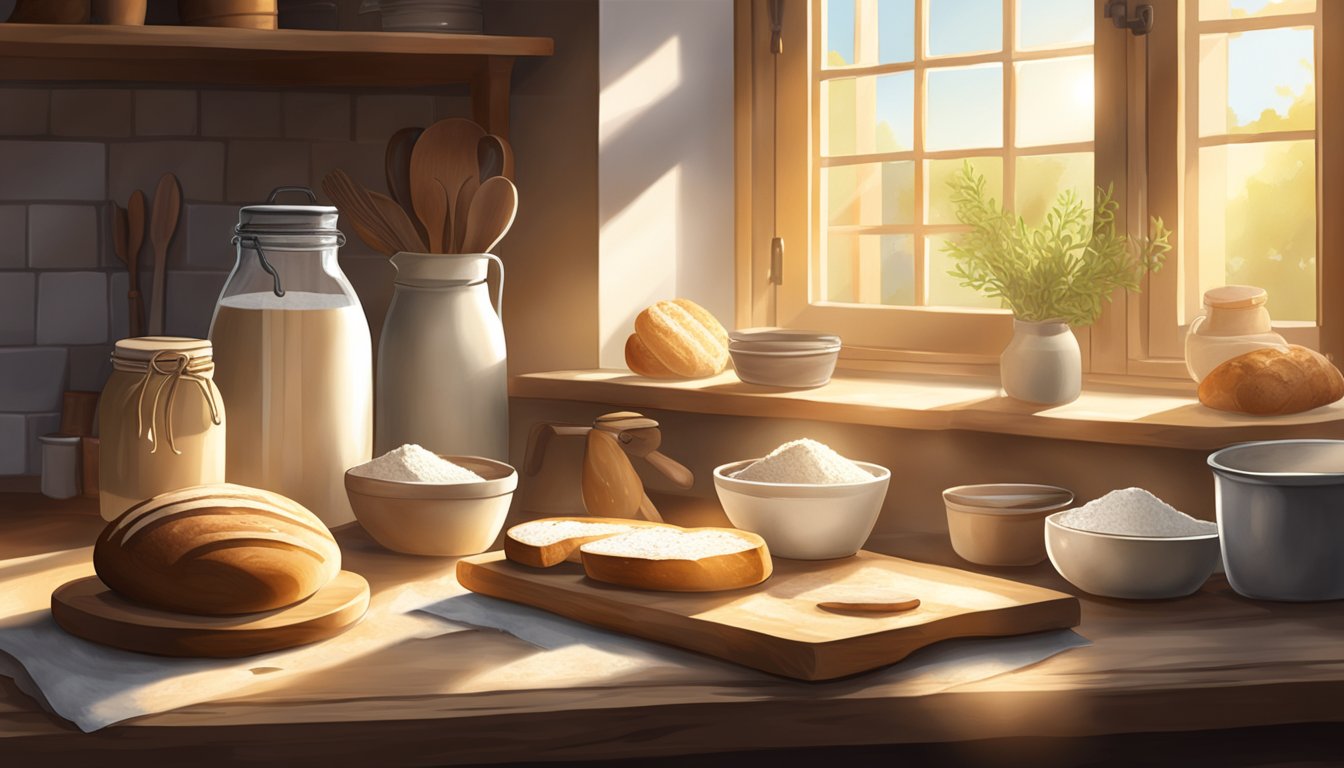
point(1210, 122)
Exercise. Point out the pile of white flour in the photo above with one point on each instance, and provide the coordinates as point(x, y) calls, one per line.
point(804, 462)
point(412, 464)
point(1134, 512)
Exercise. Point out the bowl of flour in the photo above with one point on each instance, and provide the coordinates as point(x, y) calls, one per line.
point(416, 502)
point(1130, 544)
point(807, 501)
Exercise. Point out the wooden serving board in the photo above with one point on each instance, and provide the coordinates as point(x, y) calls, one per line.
point(777, 626)
point(87, 608)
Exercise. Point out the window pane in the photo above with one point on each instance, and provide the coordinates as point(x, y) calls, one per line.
point(1244, 9)
point(1054, 101)
point(1257, 222)
point(964, 107)
point(838, 20)
point(870, 193)
point(885, 32)
point(895, 31)
point(964, 26)
point(1042, 178)
point(944, 289)
point(938, 208)
point(870, 269)
point(1256, 81)
point(868, 114)
point(1054, 23)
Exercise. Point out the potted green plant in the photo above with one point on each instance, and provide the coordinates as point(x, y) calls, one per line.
point(1052, 276)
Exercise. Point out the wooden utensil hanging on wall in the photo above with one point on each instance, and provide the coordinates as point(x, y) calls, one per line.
point(162, 225)
point(135, 238)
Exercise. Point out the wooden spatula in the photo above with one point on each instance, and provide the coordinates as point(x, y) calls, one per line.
point(357, 209)
point(162, 225)
point(135, 238)
point(490, 216)
point(408, 239)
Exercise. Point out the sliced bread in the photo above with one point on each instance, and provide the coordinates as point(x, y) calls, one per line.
point(553, 540)
point(678, 559)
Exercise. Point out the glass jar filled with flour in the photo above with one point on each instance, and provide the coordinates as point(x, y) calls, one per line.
point(295, 358)
point(160, 422)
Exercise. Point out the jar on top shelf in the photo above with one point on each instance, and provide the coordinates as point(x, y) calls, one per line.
point(1235, 321)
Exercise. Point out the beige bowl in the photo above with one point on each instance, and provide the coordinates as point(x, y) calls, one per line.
point(1003, 523)
point(447, 520)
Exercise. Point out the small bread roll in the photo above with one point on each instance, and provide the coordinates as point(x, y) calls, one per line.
point(641, 360)
point(683, 337)
point(1272, 382)
point(216, 550)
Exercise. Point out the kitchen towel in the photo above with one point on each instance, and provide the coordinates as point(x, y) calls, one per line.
point(95, 686)
point(588, 655)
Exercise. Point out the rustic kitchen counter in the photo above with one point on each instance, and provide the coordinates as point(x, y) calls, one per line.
point(1212, 661)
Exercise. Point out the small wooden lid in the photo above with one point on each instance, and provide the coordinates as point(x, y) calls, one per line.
point(1235, 297)
point(144, 348)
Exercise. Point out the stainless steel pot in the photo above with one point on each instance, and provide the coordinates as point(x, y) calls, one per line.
point(1281, 518)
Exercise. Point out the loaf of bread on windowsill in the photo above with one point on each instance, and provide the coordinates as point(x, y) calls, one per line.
point(1273, 382)
point(677, 339)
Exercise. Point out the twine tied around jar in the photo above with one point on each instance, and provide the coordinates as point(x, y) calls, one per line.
point(174, 367)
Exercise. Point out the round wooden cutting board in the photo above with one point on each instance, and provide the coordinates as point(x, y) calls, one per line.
point(87, 608)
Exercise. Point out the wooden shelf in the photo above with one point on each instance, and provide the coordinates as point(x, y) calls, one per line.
point(270, 58)
point(928, 402)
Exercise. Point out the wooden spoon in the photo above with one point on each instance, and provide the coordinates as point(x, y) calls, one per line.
point(490, 216)
point(445, 154)
point(397, 161)
point(135, 238)
point(162, 225)
point(495, 157)
point(408, 239)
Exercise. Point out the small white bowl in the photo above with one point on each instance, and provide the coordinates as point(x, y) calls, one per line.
point(445, 520)
point(1131, 567)
point(779, 357)
point(804, 521)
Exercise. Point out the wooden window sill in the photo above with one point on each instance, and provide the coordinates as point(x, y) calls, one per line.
point(1104, 413)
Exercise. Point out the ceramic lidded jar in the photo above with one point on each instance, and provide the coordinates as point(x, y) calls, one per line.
point(1235, 321)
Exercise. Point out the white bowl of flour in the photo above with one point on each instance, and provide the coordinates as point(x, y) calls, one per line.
point(1131, 544)
point(807, 501)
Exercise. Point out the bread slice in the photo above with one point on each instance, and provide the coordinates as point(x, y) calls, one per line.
point(675, 559)
point(553, 540)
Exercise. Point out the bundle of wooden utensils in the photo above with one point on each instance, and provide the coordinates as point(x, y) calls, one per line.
point(128, 234)
point(450, 192)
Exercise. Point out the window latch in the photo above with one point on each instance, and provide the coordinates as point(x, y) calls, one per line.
point(1139, 24)
point(776, 26)
point(776, 261)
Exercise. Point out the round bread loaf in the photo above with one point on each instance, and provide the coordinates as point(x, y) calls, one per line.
point(683, 339)
point(216, 550)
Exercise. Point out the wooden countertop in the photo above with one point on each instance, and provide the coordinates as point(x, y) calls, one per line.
point(1211, 661)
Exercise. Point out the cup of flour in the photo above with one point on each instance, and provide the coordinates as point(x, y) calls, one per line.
point(807, 501)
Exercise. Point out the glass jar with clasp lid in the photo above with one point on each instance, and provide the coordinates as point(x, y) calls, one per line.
point(295, 357)
point(1235, 321)
point(161, 421)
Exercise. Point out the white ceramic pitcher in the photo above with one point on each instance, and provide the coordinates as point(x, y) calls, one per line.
point(442, 365)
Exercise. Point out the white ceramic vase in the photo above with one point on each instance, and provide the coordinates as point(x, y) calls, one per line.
point(1042, 363)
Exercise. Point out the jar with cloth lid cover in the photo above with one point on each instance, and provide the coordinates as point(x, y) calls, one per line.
point(161, 421)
